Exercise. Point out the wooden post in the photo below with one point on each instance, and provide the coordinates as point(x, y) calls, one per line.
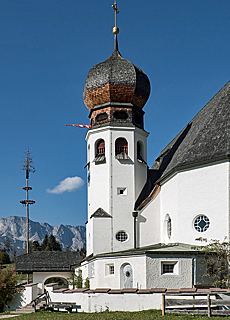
point(209, 306)
point(163, 304)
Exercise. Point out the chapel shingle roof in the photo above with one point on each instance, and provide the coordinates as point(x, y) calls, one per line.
point(47, 261)
point(204, 140)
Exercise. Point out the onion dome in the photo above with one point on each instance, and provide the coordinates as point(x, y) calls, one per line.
point(116, 80)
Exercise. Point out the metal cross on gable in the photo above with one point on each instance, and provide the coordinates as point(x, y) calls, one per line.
point(114, 6)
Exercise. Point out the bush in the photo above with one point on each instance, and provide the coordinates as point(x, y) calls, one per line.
point(4, 258)
point(8, 281)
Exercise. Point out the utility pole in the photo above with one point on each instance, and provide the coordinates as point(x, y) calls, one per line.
point(28, 167)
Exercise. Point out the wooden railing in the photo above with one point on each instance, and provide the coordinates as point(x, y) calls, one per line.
point(195, 303)
point(40, 298)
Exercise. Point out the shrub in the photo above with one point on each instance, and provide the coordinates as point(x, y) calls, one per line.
point(4, 258)
point(8, 281)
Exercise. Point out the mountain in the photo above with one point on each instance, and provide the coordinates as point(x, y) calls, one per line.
point(15, 229)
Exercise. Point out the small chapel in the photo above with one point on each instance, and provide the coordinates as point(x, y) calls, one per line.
point(143, 221)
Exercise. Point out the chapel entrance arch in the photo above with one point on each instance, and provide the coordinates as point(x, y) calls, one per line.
point(126, 276)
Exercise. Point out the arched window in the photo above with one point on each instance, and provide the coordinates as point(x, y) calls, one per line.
point(100, 147)
point(168, 228)
point(140, 152)
point(99, 151)
point(121, 146)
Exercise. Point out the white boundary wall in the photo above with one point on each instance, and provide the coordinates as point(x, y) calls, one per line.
point(97, 302)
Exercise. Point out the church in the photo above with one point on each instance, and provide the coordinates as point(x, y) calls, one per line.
point(143, 222)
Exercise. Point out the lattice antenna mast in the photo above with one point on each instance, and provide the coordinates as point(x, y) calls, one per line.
point(28, 167)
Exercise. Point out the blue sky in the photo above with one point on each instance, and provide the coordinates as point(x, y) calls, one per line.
point(47, 49)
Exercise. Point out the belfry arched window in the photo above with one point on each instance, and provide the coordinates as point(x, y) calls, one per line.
point(121, 147)
point(140, 152)
point(100, 147)
point(99, 151)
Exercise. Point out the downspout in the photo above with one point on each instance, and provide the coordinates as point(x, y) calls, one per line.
point(135, 214)
point(193, 272)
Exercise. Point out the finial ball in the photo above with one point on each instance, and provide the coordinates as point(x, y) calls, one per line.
point(115, 30)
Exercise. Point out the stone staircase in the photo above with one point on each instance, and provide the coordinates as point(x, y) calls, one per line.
point(28, 308)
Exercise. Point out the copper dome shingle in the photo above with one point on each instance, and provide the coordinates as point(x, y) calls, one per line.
point(116, 80)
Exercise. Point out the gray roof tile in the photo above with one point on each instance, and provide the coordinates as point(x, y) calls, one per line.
point(47, 261)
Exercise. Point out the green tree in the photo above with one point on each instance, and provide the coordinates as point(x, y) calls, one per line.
point(34, 246)
point(13, 256)
point(8, 281)
point(76, 280)
point(216, 261)
point(53, 244)
point(4, 258)
point(44, 243)
point(50, 244)
point(8, 245)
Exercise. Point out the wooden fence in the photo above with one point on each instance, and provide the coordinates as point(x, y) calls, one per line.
point(195, 303)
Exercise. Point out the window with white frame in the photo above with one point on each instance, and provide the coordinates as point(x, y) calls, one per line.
point(109, 269)
point(169, 267)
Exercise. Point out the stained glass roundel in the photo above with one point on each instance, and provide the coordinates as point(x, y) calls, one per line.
point(201, 223)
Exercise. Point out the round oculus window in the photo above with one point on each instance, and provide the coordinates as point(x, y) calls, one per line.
point(121, 236)
point(201, 223)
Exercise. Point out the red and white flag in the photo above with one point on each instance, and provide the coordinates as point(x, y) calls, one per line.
point(79, 125)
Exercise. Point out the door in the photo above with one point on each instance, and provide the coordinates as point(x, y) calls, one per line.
point(127, 276)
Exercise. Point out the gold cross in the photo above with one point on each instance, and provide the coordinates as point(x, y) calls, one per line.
point(114, 6)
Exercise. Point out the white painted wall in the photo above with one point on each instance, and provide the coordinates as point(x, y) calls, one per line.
point(106, 178)
point(101, 279)
point(101, 234)
point(149, 221)
point(203, 190)
point(182, 278)
point(97, 302)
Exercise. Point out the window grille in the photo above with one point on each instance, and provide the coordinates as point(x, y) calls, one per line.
point(100, 149)
point(111, 269)
point(202, 223)
point(121, 236)
point(121, 146)
point(168, 268)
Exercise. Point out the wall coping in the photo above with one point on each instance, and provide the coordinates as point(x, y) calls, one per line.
point(143, 291)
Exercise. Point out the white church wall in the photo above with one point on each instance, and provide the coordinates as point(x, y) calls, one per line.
point(200, 191)
point(182, 276)
point(101, 234)
point(140, 168)
point(148, 231)
point(122, 173)
point(98, 187)
point(101, 277)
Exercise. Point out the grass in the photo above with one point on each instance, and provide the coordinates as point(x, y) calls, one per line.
point(142, 315)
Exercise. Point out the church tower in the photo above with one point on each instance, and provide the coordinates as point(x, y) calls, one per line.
point(115, 93)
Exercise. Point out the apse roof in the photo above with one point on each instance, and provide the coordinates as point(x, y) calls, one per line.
point(158, 248)
point(205, 139)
